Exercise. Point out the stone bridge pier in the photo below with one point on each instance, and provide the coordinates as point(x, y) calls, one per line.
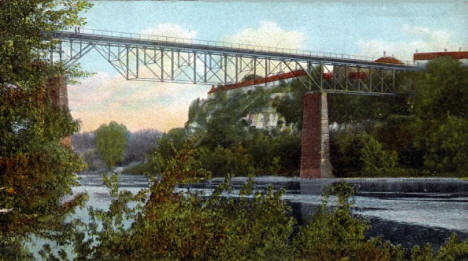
point(57, 87)
point(315, 144)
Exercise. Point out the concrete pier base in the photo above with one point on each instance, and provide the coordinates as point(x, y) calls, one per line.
point(315, 144)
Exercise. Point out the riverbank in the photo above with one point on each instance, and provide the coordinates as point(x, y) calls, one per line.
point(386, 187)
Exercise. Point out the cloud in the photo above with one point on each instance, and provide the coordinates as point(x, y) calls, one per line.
point(170, 30)
point(422, 39)
point(268, 34)
point(138, 105)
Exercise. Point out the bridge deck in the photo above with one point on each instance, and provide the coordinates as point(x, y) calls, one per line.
point(219, 47)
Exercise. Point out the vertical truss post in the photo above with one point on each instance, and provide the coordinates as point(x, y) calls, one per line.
point(211, 68)
point(225, 69)
point(370, 79)
point(254, 68)
point(137, 61)
point(393, 80)
point(194, 67)
point(172, 64)
point(237, 69)
point(204, 67)
point(266, 71)
point(108, 51)
point(144, 55)
point(162, 64)
point(178, 58)
point(127, 62)
point(71, 48)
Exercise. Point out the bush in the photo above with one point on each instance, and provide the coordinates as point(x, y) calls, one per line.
point(445, 147)
point(177, 225)
point(222, 161)
point(376, 162)
point(345, 148)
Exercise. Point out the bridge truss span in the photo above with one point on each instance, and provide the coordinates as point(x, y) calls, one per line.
point(169, 60)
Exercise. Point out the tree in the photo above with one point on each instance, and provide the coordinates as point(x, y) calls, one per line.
point(111, 141)
point(441, 90)
point(441, 106)
point(36, 170)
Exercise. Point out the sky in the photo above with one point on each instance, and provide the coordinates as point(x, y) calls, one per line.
point(367, 27)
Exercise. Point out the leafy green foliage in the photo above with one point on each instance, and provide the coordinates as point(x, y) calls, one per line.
point(24, 26)
point(111, 141)
point(441, 90)
point(291, 107)
point(167, 147)
point(441, 105)
point(36, 170)
point(228, 144)
point(332, 234)
point(445, 147)
point(376, 161)
point(188, 225)
point(418, 135)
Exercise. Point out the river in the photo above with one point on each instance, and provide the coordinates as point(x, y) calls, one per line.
point(406, 211)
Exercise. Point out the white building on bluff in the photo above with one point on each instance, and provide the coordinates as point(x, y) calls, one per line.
point(267, 117)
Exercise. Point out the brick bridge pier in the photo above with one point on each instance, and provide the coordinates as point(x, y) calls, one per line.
point(315, 144)
point(57, 87)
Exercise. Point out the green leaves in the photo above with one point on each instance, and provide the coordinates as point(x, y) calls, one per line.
point(111, 142)
point(441, 90)
point(189, 225)
point(377, 162)
point(34, 165)
point(445, 146)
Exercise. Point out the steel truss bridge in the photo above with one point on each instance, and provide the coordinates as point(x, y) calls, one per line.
point(177, 60)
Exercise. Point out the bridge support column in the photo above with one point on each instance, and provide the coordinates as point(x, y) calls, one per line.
point(58, 93)
point(315, 144)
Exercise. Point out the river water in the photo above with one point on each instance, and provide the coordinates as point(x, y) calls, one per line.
point(406, 218)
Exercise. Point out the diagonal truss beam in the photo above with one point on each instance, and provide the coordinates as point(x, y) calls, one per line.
point(146, 60)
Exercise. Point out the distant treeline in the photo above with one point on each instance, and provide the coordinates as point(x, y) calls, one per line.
point(140, 144)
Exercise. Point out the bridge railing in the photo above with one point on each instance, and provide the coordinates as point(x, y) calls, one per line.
point(238, 46)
